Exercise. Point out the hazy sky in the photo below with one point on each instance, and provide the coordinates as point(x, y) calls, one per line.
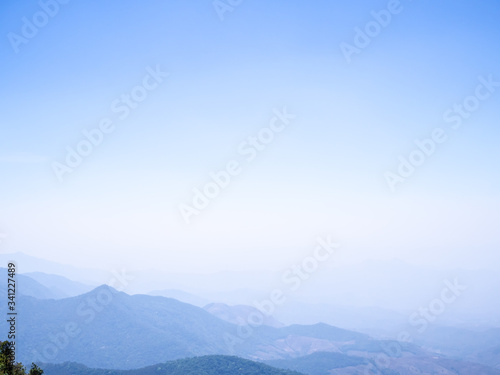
point(324, 172)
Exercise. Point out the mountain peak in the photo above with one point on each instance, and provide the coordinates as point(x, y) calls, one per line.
point(104, 288)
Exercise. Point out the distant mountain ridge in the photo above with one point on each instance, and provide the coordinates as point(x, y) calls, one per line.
point(109, 329)
point(27, 263)
point(180, 296)
point(105, 325)
point(91, 328)
point(27, 286)
point(61, 285)
point(44, 286)
point(240, 314)
point(394, 287)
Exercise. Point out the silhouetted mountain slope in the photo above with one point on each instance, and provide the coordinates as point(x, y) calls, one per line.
point(207, 365)
point(110, 329)
point(107, 328)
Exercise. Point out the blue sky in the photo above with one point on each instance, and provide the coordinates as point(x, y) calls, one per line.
point(323, 174)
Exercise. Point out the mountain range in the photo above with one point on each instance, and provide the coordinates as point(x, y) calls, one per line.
point(113, 330)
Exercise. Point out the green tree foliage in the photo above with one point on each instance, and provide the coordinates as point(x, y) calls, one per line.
point(8, 366)
point(206, 365)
